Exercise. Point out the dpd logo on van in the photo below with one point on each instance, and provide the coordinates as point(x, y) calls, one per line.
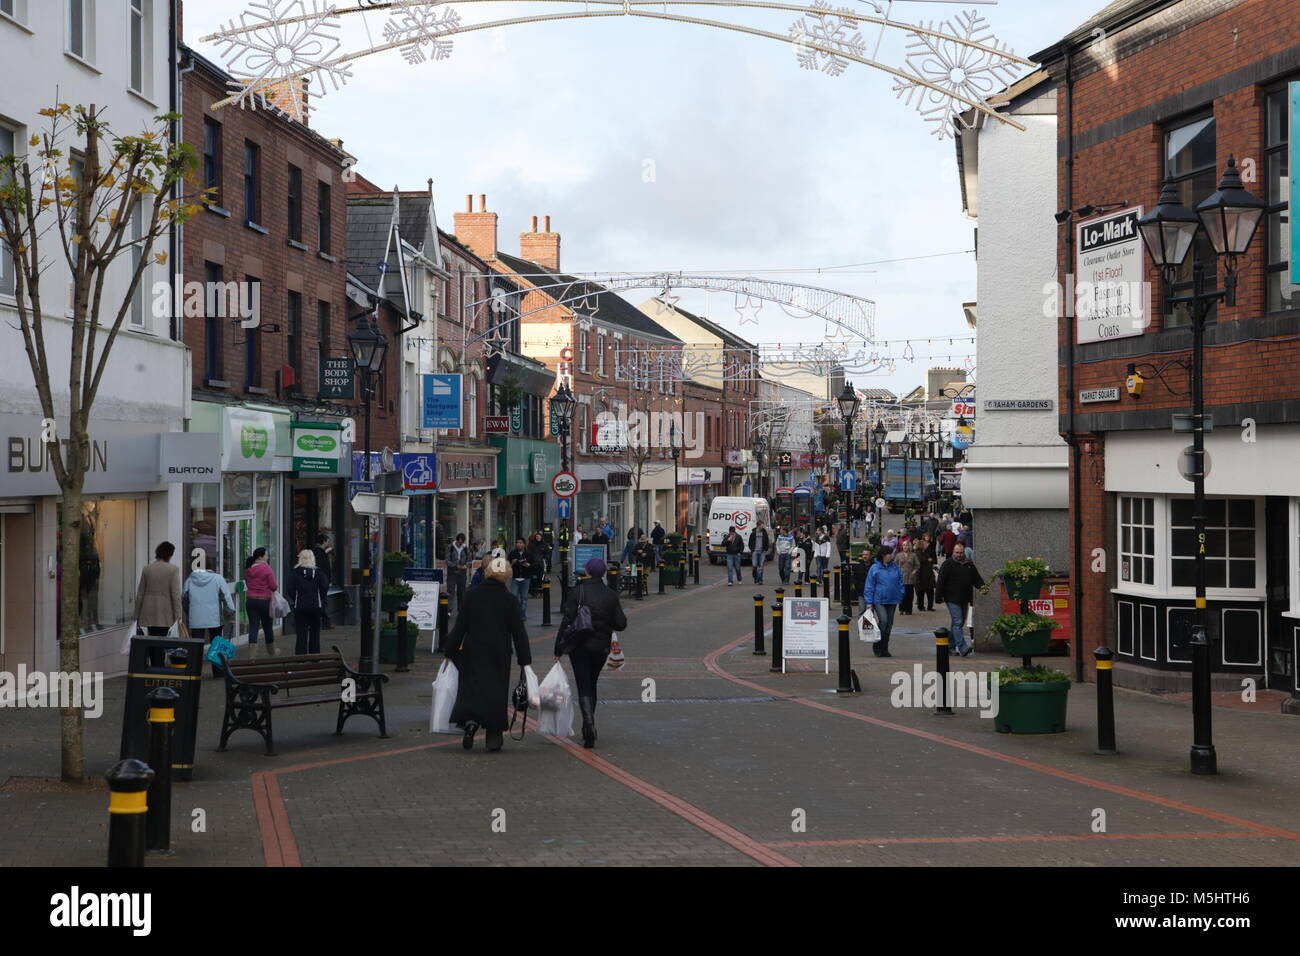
point(740, 519)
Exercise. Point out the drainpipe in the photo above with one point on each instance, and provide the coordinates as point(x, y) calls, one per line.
point(173, 107)
point(1072, 439)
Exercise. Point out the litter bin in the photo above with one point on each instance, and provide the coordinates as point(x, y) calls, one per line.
point(163, 662)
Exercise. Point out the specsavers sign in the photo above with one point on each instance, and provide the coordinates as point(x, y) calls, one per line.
point(250, 440)
point(316, 448)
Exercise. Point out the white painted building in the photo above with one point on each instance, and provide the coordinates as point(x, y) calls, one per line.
point(116, 55)
point(1015, 479)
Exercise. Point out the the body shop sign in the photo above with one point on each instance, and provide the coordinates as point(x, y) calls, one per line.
point(316, 448)
point(1110, 297)
point(250, 440)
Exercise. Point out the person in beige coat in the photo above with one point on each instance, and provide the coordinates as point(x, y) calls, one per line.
point(158, 597)
point(908, 564)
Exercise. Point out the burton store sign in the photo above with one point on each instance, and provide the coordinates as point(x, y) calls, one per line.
point(316, 448)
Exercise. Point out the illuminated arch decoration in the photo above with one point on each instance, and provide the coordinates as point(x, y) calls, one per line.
point(278, 50)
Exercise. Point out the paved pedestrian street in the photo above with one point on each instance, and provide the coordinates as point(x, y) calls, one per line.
point(704, 757)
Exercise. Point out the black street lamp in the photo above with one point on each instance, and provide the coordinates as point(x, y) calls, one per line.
point(368, 347)
point(880, 433)
point(563, 405)
point(848, 402)
point(1229, 218)
point(760, 449)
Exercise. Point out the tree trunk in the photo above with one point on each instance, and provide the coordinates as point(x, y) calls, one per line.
point(70, 729)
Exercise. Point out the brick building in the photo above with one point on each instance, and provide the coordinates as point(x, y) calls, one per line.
point(1149, 90)
point(266, 259)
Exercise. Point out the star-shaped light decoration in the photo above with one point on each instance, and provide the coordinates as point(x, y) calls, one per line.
point(667, 298)
point(749, 303)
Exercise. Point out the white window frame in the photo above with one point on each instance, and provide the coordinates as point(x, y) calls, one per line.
point(601, 344)
point(16, 16)
point(471, 400)
point(137, 253)
point(1293, 560)
point(1149, 586)
point(583, 343)
point(87, 52)
point(139, 16)
point(7, 261)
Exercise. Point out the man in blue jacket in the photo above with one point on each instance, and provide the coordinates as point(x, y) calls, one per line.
point(882, 592)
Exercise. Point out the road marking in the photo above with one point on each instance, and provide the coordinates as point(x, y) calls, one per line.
point(888, 841)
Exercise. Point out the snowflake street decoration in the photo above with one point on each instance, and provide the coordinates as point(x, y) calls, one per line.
point(834, 30)
point(272, 47)
point(416, 25)
point(957, 68)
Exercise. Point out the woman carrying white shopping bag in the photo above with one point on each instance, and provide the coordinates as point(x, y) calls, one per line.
point(592, 613)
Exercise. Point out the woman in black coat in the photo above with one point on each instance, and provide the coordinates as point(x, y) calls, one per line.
point(587, 653)
point(479, 645)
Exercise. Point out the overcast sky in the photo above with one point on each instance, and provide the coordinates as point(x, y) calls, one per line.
point(660, 146)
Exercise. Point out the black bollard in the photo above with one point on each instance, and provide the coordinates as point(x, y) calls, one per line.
point(695, 561)
point(612, 578)
point(941, 637)
point(846, 674)
point(1105, 701)
point(661, 577)
point(681, 573)
point(758, 626)
point(641, 572)
point(128, 804)
point(836, 576)
point(812, 587)
point(162, 723)
point(403, 665)
point(546, 601)
point(778, 662)
point(798, 589)
point(444, 620)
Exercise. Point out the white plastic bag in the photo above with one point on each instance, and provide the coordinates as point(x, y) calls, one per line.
point(126, 638)
point(279, 606)
point(534, 694)
point(444, 699)
point(868, 626)
point(556, 713)
point(616, 657)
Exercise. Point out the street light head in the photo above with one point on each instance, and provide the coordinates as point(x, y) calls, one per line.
point(562, 405)
point(1231, 215)
point(368, 347)
point(848, 402)
point(1168, 229)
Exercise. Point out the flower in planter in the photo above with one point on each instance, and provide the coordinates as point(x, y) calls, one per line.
point(1017, 625)
point(1037, 674)
point(1020, 571)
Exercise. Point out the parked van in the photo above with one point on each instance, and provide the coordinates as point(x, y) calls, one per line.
point(743, 514)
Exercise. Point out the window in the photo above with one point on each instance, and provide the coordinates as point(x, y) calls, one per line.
point(295, 204)
point(582, 350)
point(1281, 292)
point(81, 28)
point(212, 160)
point(137, 253)
point(323, 215)
point(7, 7)
point(252, 348)
point(252, 186)
point(213, 337)
point(8, 265)
point(294, 342)
point(1229, 543)
point(1190, 162)
point(139, 24)
point(109, 562)
point(1137, 540)
point(600, 352)
point(322, 333)
point(471, 410)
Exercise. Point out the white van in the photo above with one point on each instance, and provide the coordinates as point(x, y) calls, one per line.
point(743, 514)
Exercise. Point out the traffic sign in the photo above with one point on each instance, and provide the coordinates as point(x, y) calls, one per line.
point(833, 461)
point(564, 484)
point(849, 480)
point(564, 508)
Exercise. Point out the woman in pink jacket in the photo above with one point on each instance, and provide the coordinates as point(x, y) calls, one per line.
point(259, 585)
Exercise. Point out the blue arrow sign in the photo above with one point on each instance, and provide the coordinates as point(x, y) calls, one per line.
point(564, 507)
point(849, 480)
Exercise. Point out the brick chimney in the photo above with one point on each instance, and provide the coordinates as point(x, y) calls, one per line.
point(541, 247)
point(478, 230)
point(280, 96)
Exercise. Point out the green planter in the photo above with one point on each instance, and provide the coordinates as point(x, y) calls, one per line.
point(388, 644)
point(1029, 644)
point(392, 602)
point(1032, 708)
point(1025, 590)
point(394, 570)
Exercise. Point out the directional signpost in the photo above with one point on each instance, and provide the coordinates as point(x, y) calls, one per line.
point(848, 481)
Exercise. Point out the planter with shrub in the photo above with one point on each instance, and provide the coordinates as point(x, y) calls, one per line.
point(395, 565)
point(1031, 700)
point(394, 596)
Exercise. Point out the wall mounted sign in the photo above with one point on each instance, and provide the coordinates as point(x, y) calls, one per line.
point(1110, 296)
point(250, 440)
point(1019, 404)
point(316, 448)
point(337, 378)
point(190, 457)
point(441, 406)
point(1092, 395)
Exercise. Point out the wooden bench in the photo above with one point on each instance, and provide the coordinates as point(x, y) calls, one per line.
point(257, 688)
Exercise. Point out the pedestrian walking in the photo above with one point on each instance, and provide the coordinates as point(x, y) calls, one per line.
point(306, 591)
point(539, 555)
point(521, 568)
point(925, 574)
point(588, 650)
point(489, 626)
point(158, 595)
point(208, 604)
point(907, 564)
point(784, 549)
point(459, 558)
point(797, 565)
point(955, 588)
point(657, 540)
point(947, 540)
point(890, 541)
point(735, 546)
point(806, 545)
point(843, 542)
point(822, 552)
point(883, 592)
point(759, 542)
point(633, 534)
point(324, 561)
point(259, 587)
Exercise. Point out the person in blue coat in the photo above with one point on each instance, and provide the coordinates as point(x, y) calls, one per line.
point(883, 592)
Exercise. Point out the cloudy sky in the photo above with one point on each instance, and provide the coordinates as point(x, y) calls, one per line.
point(662, 146)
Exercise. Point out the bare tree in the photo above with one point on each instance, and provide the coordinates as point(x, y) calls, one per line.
point(84, 204)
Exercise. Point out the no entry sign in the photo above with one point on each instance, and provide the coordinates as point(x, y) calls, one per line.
point(565, 485)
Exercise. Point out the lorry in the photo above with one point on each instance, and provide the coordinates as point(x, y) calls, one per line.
point(908, 483)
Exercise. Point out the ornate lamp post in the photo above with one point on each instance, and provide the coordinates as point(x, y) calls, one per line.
point(760, 449)
point(848, 402)
point(880, 433)
point(368, 347)
point(1229, 218)
point(562, 406)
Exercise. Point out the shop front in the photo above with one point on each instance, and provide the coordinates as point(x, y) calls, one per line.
point(128, 509)
point(466, 483)
point(525, 467)
point(696, 489)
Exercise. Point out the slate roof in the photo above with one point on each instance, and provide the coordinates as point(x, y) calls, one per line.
point(369, 220)
point(606, 305)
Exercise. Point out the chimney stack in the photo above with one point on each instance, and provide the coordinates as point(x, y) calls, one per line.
point(541, 247)
point(478, 230)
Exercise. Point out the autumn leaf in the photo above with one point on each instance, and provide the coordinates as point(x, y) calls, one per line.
point(34, 141)
point(160, 258)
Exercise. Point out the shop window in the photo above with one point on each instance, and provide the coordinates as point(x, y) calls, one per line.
point(1191, 163)
point(1229, 543)
point(1137, 544)
point(323, 217)
point(1282, 293)
point(252, 349)
point(110, 563)
point(203, 524)
point(295, 203)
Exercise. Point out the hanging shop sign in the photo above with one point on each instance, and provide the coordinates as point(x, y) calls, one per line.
point(950, 481)
point(317, 448)
point(497, 424)
point(516, 419)
point(1110, 297)
point(337, 378)
point(250, 440)
point(441, 406)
